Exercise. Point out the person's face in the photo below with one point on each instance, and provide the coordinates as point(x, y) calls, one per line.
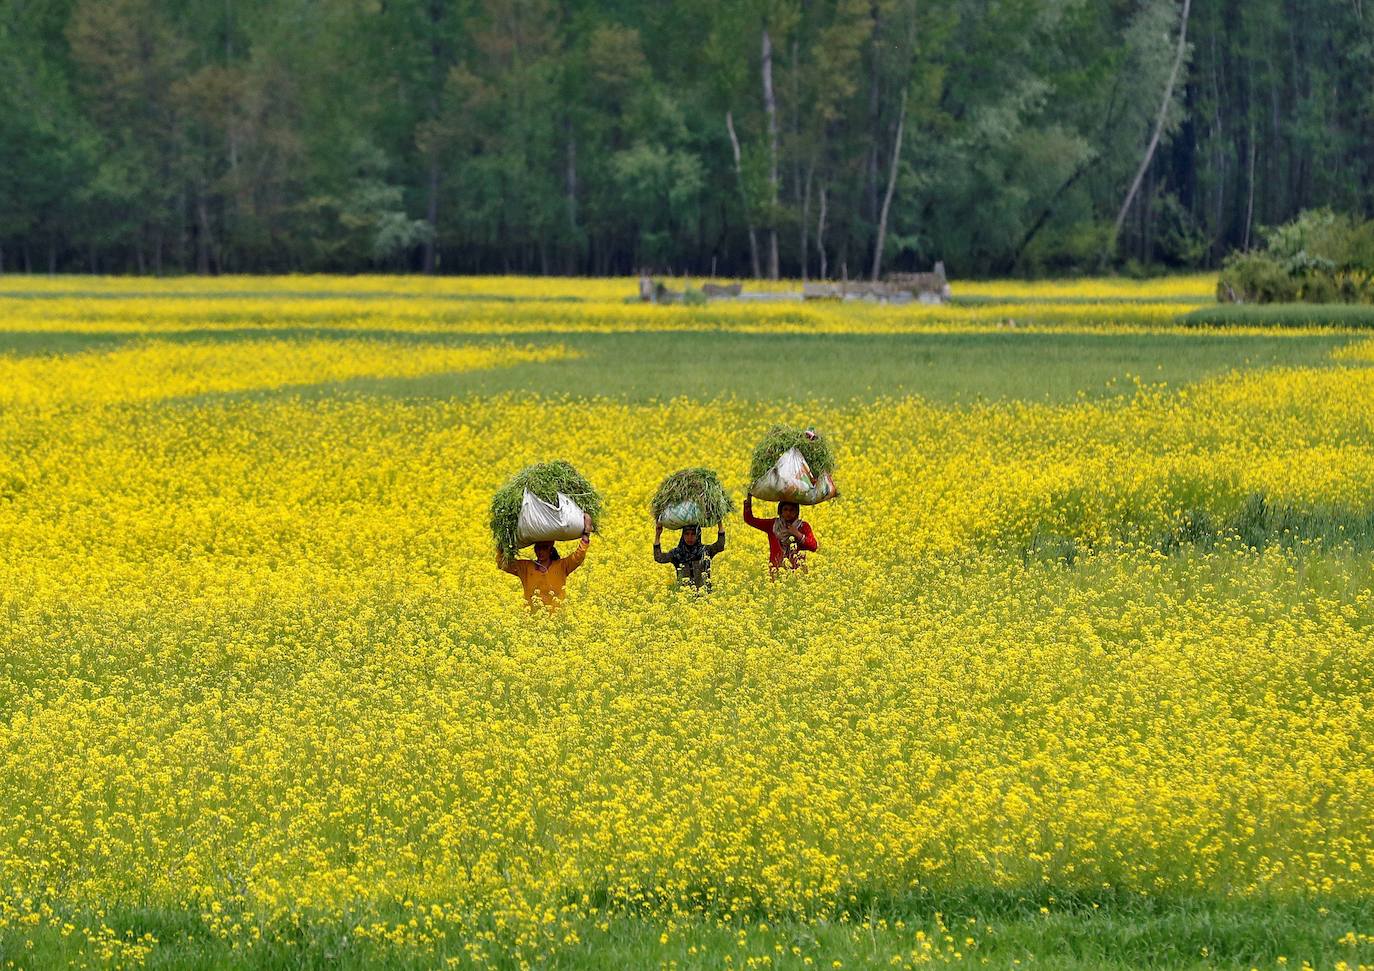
point(690, 536)
point(543, 552)
point(789, 512)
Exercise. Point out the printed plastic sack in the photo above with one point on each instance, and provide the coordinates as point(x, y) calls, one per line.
point(685, 513)
point(790, 479)
point(544, 522)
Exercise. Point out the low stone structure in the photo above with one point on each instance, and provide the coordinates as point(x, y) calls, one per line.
point(927, 288)
point(930, 287)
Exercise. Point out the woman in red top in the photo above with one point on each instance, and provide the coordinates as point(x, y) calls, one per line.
point(789, 537)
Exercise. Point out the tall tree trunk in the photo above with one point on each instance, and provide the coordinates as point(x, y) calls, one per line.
point(202, 234)
point(770, 108)
point(182, 246)
point(438, 65)
point(1159, 122)
point(432, 216)
point(1275, 172)
point(237, 189)
point(820, 232)
point(801, 168)
point(744, 196)
point(874, 111)
point(570, 190)
point(1218, 130)
point(1147, 220)
point(1250, 193)
point(891, 188)
point(806, 219)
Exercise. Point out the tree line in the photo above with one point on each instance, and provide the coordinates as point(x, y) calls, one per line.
point(805, 138)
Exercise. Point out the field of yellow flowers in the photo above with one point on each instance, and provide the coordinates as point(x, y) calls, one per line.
point(1084, 681)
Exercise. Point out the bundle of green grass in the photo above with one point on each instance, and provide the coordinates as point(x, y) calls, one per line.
point(773, 476)
point(690, 497)
point(546, 481)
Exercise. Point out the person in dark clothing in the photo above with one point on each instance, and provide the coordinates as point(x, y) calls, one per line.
point(689, 557)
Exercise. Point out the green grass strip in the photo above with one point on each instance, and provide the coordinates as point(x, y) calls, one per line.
point(1280, 316)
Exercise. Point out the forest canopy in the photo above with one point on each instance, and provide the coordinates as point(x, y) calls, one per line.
point(800, 138)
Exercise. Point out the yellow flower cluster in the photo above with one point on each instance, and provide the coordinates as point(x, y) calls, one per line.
point(312, 287)
point(257, 663)
point(1362, 351)
point(1199, 287)
point(155, 369)
point(515, 305)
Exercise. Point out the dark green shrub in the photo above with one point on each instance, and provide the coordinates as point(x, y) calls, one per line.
point(1194, 528)
point(1050, 548)
point(1255, 277)
point(1320, 288)
point(1261, 522)
point(1320, 257)
point(1181, 241)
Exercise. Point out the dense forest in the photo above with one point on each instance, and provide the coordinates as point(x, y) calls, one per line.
point(741, 137)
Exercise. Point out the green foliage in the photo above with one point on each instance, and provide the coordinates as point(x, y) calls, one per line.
point(1181, 241)
point(1067, 248)
point(1321, 241)
point(545, 480)
point(699, 485)
point(813, 445)
point(539, 137)
point(1050, 548)
point(371, 214)
point(1254, 277)
point(1320, 257)
point(1260, 522)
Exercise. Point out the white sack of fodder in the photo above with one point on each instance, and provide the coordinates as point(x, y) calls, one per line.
point(546, 522)
point(680, 514)
point(791, 480)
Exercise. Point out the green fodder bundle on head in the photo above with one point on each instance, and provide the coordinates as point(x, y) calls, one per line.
point(546, 480)
point(813, 445)
point(700, 486)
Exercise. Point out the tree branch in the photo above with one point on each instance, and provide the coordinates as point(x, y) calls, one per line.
point(891, 188)
point(1159, 123)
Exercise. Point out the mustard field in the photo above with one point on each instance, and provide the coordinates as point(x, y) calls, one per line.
point(1082, 674)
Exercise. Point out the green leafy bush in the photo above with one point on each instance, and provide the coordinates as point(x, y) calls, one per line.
point(1256, 277)
point(1320, 257)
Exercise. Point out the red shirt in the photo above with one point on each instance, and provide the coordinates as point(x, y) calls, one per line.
point(775, 550)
